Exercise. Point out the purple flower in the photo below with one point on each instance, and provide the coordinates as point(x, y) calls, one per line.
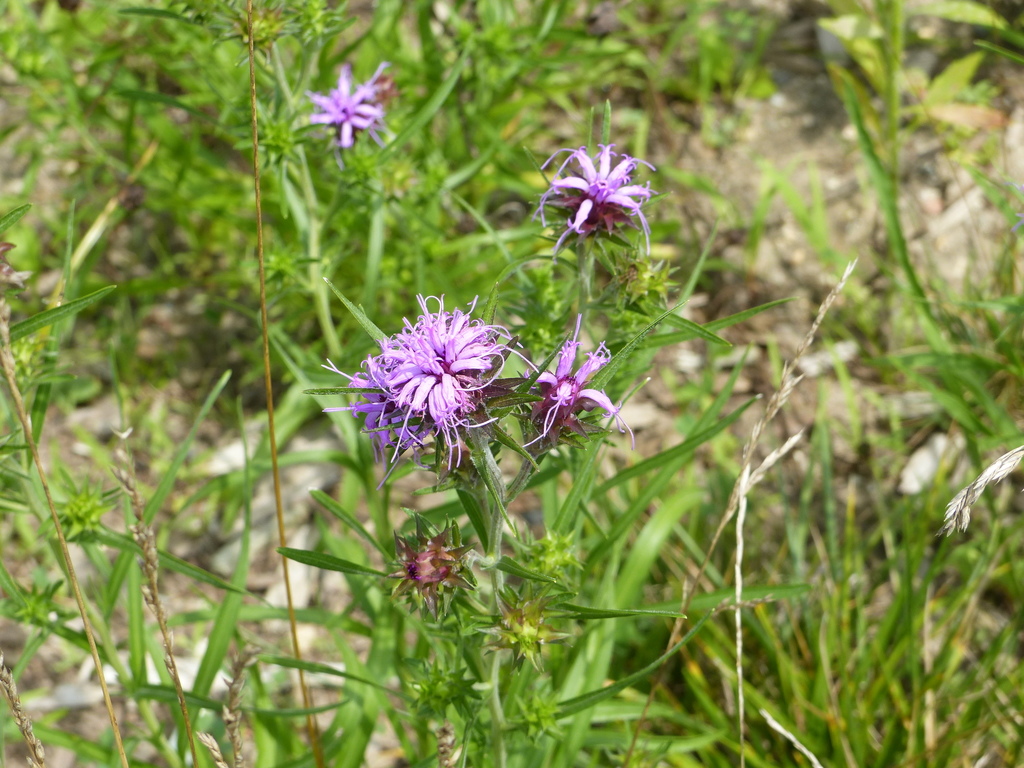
point(565, 393)
point(388, 425)
point(431, 375)
point(351, 110)
point(598, 195)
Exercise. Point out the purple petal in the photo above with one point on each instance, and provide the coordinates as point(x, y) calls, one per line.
point(581, 216)
point(605, 158)
point(599, 400)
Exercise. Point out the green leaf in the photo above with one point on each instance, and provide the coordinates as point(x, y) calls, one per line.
point(158, 13)
point(328, 562)
point(486, 465)
point(726, 598)
point(325, 669)
point(330, 391)
point(587, 613)
point(471, 507)
point(149, 97)
point(688, 330)
point(851, 27)
point(583, 484)
point(508, 271)
point(605, 374)
point(510, 566)
point(375, 333)
point(125, 543)
point(588, 700)
point(170, 474)
point(506, 440)
point(962, 11)
point(22, 329)
point(953, 80)
point(665, 457)
point(9, 219)
point(1005, 52)
point(339, 512)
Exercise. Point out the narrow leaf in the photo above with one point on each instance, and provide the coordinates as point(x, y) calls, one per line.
point(605, 374)
point(124, 543)
point(587, 613)
point(9, 219)
point(324, 669)
point(343, 391)
point(510, 566)
point(588, 700)
point(339, 512)
point(22, 329)
point(328, 562)
point(375, 333)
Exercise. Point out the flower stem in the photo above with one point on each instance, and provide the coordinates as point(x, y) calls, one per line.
point(321, 300)
point(585, 262)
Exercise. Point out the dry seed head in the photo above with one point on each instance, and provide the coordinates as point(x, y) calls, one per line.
point(445, 745)
point(211, 744)
point(958, 511)
point(37, 756)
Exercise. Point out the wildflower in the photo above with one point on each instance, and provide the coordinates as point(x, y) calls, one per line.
point(433, 567)
point(598, 195)
point(387, 423)
point(349, 110)
point(565, 395)
point(432, 378)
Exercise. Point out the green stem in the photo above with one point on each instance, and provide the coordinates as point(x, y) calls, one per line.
point(519, 483)
point(495, 529)
point(893, 23)
point(585, 265)
point(321, 298)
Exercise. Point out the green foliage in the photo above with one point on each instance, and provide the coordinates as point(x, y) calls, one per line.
point(870, 640)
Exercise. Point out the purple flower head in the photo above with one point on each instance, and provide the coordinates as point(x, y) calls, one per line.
point(565, 393)
point(437, 367)
point(431, 375)
point(350, 109)
point(387, 424)
point(597, 195)
point(432, 568)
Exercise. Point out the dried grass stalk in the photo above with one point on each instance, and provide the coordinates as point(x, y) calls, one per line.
point(958, 511)
point(233, 709)
point(36, 755)
point(777, 727)
point(446, 745)
point(124, 471)
point(211, 744)
point(748, 476)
